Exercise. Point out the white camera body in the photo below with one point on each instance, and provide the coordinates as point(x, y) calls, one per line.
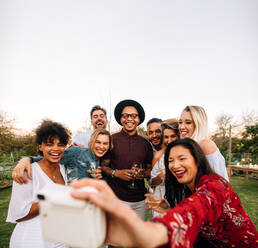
point(70, 221)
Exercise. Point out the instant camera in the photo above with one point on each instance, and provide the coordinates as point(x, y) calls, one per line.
point(73, 222)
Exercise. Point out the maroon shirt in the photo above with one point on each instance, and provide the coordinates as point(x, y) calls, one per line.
point(127, 150)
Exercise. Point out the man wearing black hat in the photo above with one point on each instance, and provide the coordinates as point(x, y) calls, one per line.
point(129, 148)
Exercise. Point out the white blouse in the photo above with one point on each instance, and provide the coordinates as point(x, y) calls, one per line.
point(28, 234)
point(159, 190)
point(218, 164)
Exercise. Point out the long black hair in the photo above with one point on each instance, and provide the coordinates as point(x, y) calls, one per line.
point(176, 192)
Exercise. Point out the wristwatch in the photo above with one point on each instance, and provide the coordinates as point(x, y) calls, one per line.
point(113, 173)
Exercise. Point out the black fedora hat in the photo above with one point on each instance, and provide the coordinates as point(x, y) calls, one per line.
point(121, 105)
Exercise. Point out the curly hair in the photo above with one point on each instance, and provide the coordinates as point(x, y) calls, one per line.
point(49, 130)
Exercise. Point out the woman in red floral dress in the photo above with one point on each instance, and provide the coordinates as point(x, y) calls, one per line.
point(202, 202)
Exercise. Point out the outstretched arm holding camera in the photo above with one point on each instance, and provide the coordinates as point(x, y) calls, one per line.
point(125, 228)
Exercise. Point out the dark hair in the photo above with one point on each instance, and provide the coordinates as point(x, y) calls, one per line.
point(97, 107)
point(152, 120)
point(176, 192)
point(49, 130)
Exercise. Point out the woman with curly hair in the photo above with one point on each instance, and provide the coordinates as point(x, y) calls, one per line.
point(51, 139)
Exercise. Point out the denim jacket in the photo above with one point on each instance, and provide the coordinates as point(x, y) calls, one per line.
point(73, 157)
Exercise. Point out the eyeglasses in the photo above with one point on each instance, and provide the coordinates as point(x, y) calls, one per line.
point(126, 116)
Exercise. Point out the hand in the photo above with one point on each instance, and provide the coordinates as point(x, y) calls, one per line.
point(126, 174)
point(157, 204)
point(99, 173)
point(124, 226)
point(140, 174)
point(160, 178)
point(18, 173)
point(96, 173)
point(77, 144)
point(108, 201)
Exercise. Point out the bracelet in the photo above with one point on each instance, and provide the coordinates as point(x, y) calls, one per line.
point(113, 173)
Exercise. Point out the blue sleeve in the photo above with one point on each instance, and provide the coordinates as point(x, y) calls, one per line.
point(69, 155)
point(35, 159)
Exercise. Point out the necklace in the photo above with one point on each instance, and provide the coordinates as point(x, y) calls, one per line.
point(50, 173)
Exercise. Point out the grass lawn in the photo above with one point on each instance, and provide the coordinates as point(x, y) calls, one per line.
point(5, 228)
point(248, 194)
point(246, 190)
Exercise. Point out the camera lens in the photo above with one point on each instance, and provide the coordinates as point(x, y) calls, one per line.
point(41, 197)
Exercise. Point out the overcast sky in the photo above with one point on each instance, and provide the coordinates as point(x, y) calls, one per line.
point(58, 58)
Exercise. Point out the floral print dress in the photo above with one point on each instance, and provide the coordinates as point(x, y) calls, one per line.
point(215, 212)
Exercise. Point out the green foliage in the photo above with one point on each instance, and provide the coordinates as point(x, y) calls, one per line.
point(6, 175)
point(247, 192)
point(10, 142)
point(244, 146)
point(5, 228)
point(141, 131)
point(250, 141)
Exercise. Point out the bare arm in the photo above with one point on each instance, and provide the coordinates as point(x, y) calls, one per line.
point(157, 155)
point(145, 173)
point(34, 211)
point(19, 171)
point(208, 146)
point(125, 174)
point(124, 228)
point(158, 179)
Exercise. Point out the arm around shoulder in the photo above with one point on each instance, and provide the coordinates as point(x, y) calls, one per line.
point(18, 173)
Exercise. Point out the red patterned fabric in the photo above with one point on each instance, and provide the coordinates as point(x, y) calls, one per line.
point(215, 211)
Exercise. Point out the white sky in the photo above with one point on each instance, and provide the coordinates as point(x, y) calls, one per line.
point(58, 58)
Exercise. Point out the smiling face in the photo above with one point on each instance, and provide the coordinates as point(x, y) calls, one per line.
point(169, 135)
point(154, 133)
point(101, 145)
point(98, 119)
point(129, 123)
point(182, 165)
point(52, 150)
point(186, 125)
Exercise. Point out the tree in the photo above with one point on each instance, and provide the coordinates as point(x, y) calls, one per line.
point(223, 122)
point(6, 134)
point(141, 131)
point(250, 141)
point(19, 145)
point(249, 118)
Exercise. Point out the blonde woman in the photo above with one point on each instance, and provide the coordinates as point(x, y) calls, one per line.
point(193, 123)
point(74, 157)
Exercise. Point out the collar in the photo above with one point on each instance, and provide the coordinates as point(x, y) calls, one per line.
point(126, 134)
point(91, 154)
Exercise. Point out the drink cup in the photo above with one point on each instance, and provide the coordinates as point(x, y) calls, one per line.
point(152, 201)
